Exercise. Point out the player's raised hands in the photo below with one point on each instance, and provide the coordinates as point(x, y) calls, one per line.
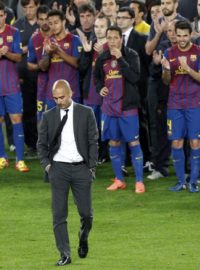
point(87, 45)
point(157, 57)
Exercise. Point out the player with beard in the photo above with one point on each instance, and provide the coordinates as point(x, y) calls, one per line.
point(158, 27)
point(181, 70)
point(35, 49)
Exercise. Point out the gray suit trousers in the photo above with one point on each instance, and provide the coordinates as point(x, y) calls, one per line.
point(64, 176)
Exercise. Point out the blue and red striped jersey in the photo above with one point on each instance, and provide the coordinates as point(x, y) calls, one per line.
point(184, 92)
point(35, 50)
point(114, 81)
point(9, 81)
point(59, 69)
point(93, 97)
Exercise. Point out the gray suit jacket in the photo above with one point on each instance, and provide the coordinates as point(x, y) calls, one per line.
point(85, 132)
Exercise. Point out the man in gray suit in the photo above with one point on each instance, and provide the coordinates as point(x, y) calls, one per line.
point(69, 158)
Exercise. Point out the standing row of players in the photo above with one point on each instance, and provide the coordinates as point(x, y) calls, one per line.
point(55, 53)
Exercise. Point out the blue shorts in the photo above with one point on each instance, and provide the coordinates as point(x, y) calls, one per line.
point(43, 106)
point(11, 104)
point(125, 128)
point(97, 112)
point(183, 123)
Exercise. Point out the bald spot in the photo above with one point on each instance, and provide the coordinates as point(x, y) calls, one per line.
point(61, 86)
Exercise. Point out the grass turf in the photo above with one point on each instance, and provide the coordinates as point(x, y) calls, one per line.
point(158, 230)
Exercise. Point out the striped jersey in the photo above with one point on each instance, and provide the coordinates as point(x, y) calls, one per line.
point(9, 81)
point(184, 92)
point(59, 69)
point(114, 81)
point(35, 50)
point(93, 97)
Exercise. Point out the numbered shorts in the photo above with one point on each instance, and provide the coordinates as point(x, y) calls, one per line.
point(44, 105)
point(124, 128)
point(11, 104)
point(183, 123)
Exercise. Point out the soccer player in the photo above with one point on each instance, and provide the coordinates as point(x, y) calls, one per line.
point(181, 70)
point(91, 50)
point(61, 52)
point(27, 25)
point(89, 54)
point(10, 96)
point(117, 72)
point(35, 49)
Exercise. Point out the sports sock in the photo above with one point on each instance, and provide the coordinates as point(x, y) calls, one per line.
point(18, 136)
point(123, 153)
point(137, 161)
point(195, 165)
point(2, 146)
point(179, 163)
point(115, 157)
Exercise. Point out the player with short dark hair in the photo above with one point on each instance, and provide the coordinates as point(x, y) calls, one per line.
point(181, 70)
point(35, 50)
point(117, 72)
point(61, 52)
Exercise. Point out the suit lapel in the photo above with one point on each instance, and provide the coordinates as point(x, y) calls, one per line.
point(76, 118)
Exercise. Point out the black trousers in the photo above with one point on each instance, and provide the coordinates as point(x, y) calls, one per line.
point(29, 94)
point(157, 106)
point(62, 177)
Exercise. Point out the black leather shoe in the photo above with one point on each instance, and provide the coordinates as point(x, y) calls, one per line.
point(83, 249)
point(64, 261)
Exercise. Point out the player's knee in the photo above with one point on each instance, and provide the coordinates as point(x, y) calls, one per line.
point(16, 118)
point(195, 144)
point(134, 143)
point(1, 119)
point(114, 143)
point(177, 144)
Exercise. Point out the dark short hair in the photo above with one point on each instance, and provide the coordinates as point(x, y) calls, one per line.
point(129, 10)
point(102, 16)
point(26, 2)
point(43, 9)
point(154, 3)
point(87, 8)
point(2, 6)
point(183, 24)
point(114, 28)
point(141, 6)
point(55, 12)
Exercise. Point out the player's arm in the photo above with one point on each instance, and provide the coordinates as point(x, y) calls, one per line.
point(31, 58)
point(166, 70)
point(99, 75)
point(15, 57)
point(193, 73)
point(130, 66)
point(156, 31)
point(71, 60)
point(15, 52)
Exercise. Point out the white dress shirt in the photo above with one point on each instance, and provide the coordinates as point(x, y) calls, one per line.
point(68, 151)
point(126, 35)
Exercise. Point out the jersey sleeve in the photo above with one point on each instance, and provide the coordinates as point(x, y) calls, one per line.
point(16, 46)
point(31, 57)
point(77, 47)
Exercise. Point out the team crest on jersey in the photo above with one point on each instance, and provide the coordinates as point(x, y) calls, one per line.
point(66, 45)
point(1, 41)
point(113, 63)
point(193, 57)
point(9, 38)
